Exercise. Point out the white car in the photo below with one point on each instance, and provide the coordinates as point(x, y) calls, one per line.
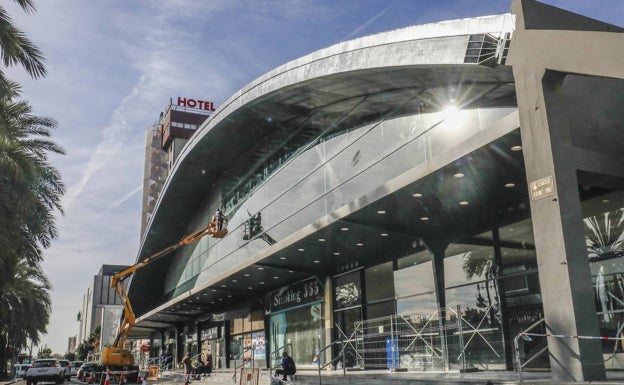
point(20, 369)
point(66, 367)
point(75, 365)
point(47, 369)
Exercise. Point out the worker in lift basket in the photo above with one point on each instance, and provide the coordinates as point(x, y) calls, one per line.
point(218, 218)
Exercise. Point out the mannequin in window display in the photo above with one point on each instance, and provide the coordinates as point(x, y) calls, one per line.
point(602, 292)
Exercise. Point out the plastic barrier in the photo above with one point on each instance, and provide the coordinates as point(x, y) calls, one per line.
point(152, 373)
point(527, 336)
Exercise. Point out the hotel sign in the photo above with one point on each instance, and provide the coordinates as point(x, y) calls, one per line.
point(195, 103)
point(542, 188)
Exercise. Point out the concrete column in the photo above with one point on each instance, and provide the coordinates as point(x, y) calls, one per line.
point(328, 320)
point(437, 248)
point(549, 43)
point(565, 278)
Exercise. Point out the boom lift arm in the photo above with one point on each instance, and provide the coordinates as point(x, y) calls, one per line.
point(115, 355)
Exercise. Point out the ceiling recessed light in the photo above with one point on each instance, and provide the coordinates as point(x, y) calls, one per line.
point(459, 175)
point(317, 261)
point(463, 203)
point(424, 218)
point(384, 234)
point(261, 268)
point(246, 275)
point(250, 287)
point(321, 239)
point(344, 229)
point(510, 185)
point(381, 212)
point(417, 195)
point(215, 289)
point(262, 282)
point(283, 258)
point(336, 253)
point(359, 244)
point(235, 280)
point(605, 201)
point(301, 249)
point(276, 277)
point(516, 148)
point(291, 271)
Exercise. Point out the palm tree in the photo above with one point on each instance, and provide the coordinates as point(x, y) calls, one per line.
point(30, 193)
point(30, 188)
point(15, 48)
point(480, 263)
point(25, 306)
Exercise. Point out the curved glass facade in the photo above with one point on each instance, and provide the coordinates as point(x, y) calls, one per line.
point(322, 177)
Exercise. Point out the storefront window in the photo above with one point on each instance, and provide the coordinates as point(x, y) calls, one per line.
point(473, 306)
point(604, 235)
point(299, 331)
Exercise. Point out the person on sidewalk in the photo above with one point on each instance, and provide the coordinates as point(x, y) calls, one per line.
point(288, 367)
point(188, 366)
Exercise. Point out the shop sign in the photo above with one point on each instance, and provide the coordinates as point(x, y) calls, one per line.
point(210, 333)
point(542, 188)
point(299, 293)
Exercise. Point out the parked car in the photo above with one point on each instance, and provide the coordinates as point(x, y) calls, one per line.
point(20, 369)
point(66, 367)
point(75, 365)
point(86, 368)
point(47, 369)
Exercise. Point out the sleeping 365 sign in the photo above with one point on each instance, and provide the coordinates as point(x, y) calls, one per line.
point(299, 293)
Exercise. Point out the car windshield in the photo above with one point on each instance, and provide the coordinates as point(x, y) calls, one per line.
point(44, 364)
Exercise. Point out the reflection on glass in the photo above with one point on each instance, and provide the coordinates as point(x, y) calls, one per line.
point(604, 236)
point(379, 283)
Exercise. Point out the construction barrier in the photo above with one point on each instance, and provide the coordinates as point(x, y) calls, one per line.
point(527, 336)
point(152, 373)
point(249, 376)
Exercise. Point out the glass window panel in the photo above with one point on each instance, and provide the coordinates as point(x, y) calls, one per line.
point(604, 237)
point(415, 275)
point(348, 290)
point(378, 310)
point(379, 282)
point(467, 263)
point(418, 304)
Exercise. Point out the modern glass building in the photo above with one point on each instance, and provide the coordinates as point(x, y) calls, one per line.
point(412, 200)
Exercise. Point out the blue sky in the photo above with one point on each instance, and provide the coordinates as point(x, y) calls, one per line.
point(113, 65)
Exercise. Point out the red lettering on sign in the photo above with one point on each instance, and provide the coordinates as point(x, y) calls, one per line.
point(192, 103)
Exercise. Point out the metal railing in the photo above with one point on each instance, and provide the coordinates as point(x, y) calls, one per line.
point(275, 354)
point(244, 362)
point(527, 361)
point(340, 356)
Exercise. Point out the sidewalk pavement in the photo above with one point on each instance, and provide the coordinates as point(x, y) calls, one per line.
point(376, 377)
point(373, 377)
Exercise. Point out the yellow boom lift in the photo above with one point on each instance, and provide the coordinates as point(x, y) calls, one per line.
point(115, 356)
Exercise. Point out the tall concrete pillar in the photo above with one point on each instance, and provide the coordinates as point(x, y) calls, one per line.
point(565, 277)
point(437, 247)
point(547, 45)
